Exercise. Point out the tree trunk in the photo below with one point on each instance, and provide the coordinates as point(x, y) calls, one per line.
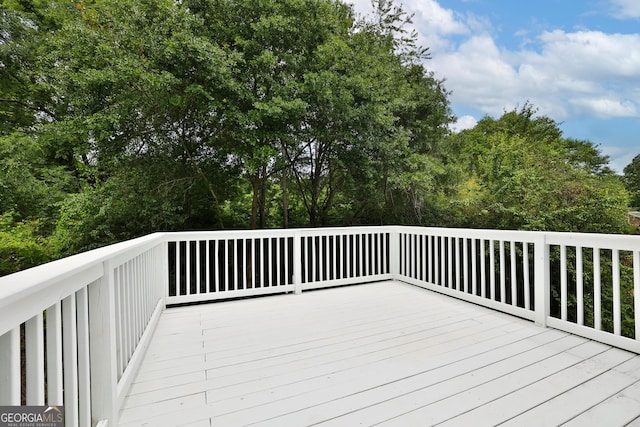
point(262, 205)
point(255, 185)
point(285, 201)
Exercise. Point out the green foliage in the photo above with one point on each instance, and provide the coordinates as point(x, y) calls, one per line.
point(121, 117)
point(519, 173)
point(30, 186)
point(20, 245)
point(632, 180)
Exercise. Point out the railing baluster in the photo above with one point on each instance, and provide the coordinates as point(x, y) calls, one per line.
point(458, 268)
point(34, 352)
point(441, 275)
point(615, 258)
point(216, 263)
point(304, 262)
point(579, 286)
point(492, 268)
point(341, 245)
point(514, 287)
point(54, 355)
point(380, 251)
point(449, 269)
point(363, 267)
point(178, 284)
point(483, 270)
point(234, 262)
point(430, 261)
point(70, 361)
point(503, 273)
point(269, 262)
point(138, 300)
point(597, 286)
point(563, 282)
point(525, 272)
point(187, 269)
point(403, 261)
point(465, 265)
point(335, 256)
point(407, 255)
point(207, 266)
point(10, 367)
point(117, 280)
point(226, 283)
point(84, 363)
point(313, 259)
point(367, 268)
point(197, 287)
point(636, 292)
point(423, 257)
point(354, 254)
point(130, 326)
point(474, 267)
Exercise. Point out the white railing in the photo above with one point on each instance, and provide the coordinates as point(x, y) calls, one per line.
point(90, 317)
point(487, 267)
point(80, 326)
point(207, 266)
point(579, 283)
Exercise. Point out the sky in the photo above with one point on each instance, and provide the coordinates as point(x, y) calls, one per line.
point(576, 61)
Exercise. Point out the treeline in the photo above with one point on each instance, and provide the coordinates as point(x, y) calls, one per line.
point(121, 117)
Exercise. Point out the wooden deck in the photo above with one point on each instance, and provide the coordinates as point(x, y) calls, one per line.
point(383, 353)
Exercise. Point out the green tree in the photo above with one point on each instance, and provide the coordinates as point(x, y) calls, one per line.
point(518, 172)
point(632, 181)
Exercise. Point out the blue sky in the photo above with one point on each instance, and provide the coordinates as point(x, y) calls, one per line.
point(577, 61)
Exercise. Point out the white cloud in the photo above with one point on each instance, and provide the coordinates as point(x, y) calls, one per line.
point(584, 73)
point(464, 122)
point(592, 54)
point(563, 73)
point(433, 23)
point(604, 108)
point(436, 20)
point(626, 9)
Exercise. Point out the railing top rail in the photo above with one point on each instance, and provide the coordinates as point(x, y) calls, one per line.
point(475, 233)
point(594, 240)
point(619, 241)
point(274, 232)
point(24, 283)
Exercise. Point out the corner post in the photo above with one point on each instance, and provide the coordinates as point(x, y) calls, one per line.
point(102, 321)
point(297, 263)
point(164, 280)
point(394, 252)
point(542, 285)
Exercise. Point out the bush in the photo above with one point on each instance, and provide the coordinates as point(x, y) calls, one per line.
point(20, 245)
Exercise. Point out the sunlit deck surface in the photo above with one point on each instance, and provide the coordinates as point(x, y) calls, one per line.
point(382, 353)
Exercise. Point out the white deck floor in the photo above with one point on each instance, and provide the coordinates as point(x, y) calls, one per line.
point(383, 353)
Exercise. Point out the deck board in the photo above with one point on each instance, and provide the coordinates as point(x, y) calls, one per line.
point(377, 353)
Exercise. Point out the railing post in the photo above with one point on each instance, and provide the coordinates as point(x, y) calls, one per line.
point(394, 252)
point(164, 271)
point(102, 318)
point(542, 285)
point(297, 264)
